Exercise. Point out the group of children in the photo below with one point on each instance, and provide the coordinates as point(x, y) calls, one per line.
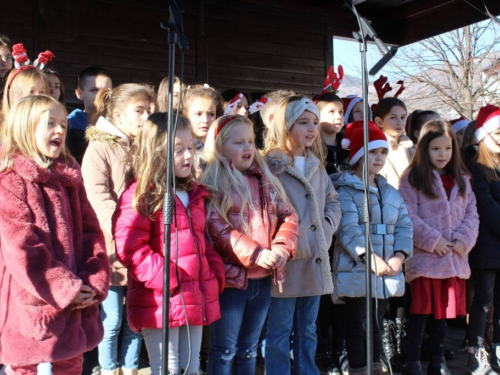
point(263, 241)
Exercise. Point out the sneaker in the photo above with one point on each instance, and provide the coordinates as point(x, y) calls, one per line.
point(478, 364)
point(333, 370)
point(96, 370)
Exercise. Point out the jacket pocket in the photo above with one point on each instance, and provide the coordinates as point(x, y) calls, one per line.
point(41, 322)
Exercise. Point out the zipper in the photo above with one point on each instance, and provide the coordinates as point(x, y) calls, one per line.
point(381, 204)
point(188, 211)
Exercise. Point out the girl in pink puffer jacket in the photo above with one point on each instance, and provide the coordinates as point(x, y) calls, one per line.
point(196, 269)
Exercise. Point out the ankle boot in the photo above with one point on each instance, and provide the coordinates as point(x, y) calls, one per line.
point(477, 363)
point(413, 368)
point(437, 366)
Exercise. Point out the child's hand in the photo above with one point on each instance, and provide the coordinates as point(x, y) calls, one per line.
point(267, 259)
point(396, 264)
point(379, 266)
point(282, 257)
point(443, 247)
point(84, 298)
point(458, 247)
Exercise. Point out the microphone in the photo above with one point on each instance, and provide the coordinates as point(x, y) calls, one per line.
point(176, 19)
point(368, 30)
point(384, 60)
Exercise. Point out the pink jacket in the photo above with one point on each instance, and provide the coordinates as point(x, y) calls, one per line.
point(454, 219)
point(139, 246)
point(51, 245)
point(271, 224)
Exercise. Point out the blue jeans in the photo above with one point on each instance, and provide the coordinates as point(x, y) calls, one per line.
point(235, 337)
point(113, 321)
point(287, 315)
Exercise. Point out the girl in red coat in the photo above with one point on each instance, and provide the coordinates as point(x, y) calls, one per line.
point(255, 229)
point(196, 270)
point(53, 264)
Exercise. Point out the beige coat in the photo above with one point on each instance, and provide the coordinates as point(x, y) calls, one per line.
point(398, 159)
point(104, 172)
point(315, 199)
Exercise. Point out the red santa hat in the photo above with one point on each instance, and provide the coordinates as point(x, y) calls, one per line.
point(353, 139)
point(488, 120)
point(349, 103)
point(459, 123)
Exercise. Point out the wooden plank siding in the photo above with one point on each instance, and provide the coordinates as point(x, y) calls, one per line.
point(247, 45)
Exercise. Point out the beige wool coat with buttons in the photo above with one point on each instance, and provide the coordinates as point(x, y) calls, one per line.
point(315, 200)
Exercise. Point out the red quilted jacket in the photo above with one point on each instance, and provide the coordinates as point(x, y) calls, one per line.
point(139, 246)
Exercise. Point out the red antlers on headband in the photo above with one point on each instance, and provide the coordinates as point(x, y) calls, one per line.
point(382, 87)
point(332, 82)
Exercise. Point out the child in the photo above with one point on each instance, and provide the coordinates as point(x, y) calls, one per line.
point(484, 258)
point(353, 109)
point(459, 126)
point(56, 86)
point(90, 81)
point(123, 111)
point(196, 270)
point(27, 80)
point(442, 207)
point(331, 111)
point(241, 107)
point(6, 59)
point(295, 152)
point(162, 100)
point(391, 238)
point(53, 263)
point(201, 105)
point(253, 227)
point(390, 116)
point(416, 120)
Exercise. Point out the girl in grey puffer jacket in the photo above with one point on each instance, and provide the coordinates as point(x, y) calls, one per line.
point(391, 238)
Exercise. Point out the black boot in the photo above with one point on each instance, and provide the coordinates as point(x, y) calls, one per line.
point(437, 366)
point(413, 368)
point(478, 364)
point(389, 342)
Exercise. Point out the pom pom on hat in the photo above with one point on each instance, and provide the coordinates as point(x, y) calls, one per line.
point(488, 120)
point(459, 123)
point(354, 136)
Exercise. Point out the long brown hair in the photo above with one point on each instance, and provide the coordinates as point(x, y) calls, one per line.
point(149, 164)
point(487, 163)
point(419, 171)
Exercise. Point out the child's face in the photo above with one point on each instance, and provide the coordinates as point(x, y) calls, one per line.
point(393, 124)
point(130, 120)
point(50, 137)
point(183, 153)
point(440, 152)
point(239, 146)
point(376, 161)
point(492, 141)
point(177, 94)
point(91, 87)
point(54, 86)
point(38, 88)
point(242, 107)
point(303, 133)
point(357, 111)
point(6, 60)
point(332, 118)
point(201, 114)
point(460, 136)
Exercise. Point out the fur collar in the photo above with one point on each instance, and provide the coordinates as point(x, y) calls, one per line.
point(403, 141)
point(105, 131)
point(66, 172)
point(280, 162)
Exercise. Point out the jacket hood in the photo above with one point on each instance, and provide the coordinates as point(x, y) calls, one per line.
point(278, 161)
point(67, 172)
point(105, 131)
point(348, 178)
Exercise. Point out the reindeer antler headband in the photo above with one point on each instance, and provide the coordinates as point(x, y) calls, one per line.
point(332, 82)
point(22, 61)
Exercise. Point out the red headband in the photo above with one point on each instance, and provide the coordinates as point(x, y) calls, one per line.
point(222, 124)
point(25, 67)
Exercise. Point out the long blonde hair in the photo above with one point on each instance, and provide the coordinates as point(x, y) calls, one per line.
point(18, 84)
point(148, 156)
point(487, 162)
point(220, 177)
point(278, 130)
point(20, 127)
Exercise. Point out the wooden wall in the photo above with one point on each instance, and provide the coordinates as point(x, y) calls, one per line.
point(251, 45)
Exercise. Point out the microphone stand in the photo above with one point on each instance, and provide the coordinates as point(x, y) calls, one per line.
point(367, 31)
point(175, 35)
